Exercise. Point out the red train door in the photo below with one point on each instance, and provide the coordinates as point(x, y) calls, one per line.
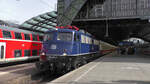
point(2, 50)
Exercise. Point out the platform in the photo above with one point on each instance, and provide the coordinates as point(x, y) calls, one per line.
point(17, 74)
point(110, 69)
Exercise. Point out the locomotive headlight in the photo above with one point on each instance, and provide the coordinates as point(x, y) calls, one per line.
point(64, 54)
point(43, 56)
point(43, 53)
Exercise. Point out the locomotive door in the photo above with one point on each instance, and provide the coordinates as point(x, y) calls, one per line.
point(78, 43)
point(2, 50)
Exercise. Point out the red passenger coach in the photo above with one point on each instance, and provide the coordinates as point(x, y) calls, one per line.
point(19, 45)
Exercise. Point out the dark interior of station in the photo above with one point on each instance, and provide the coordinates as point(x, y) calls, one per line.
point(109, 20)
point(118, 30)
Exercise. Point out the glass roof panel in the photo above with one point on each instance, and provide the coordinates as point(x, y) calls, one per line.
point(42, 22)
point(49, 22)
point(39, 18)
point(33, 21)
point(27, 25)
point(38, 28)
point(53, 24)
point(52, 14)
point(50, 26)
point(42, 29)
point(46, 16)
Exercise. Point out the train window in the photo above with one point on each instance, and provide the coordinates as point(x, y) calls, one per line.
point(2, 52)
point(18, 53)
point(27, 53)
point(27, 36)
point(34, 52)
point(34, 37)
point(76, 37)
point(41, 38)
point(90, 40)
point(87, 40)
point(39, 51)
point(64, 36)
point(18, 35)
point(82, 39)
point(6, 34)
point(96, 42)
point(48, 36)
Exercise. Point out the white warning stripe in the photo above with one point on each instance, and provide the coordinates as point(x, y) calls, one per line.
point(77, 79)
point(20, 40)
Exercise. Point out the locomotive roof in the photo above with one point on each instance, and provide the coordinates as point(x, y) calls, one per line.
point(18, 30)
point(68, 30)
point(63, 30)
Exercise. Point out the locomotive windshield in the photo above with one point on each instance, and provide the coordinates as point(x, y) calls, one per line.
point(48, 36)
point(64, 36)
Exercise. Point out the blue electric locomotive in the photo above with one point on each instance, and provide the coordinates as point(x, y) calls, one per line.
point(64, 49)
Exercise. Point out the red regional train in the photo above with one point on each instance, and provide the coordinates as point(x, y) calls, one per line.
point(18, 45)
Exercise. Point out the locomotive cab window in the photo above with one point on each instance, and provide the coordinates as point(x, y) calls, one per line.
point(64, 36)
point(48, 36)
point(76, 37)
point(27, 36)
point(18, 35)
point(6, 34)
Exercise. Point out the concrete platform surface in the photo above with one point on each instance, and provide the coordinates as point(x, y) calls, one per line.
point(110, 69)
point(17, 74)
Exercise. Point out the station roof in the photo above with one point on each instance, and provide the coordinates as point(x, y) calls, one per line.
point(41, 23)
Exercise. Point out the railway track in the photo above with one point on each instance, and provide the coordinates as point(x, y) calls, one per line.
point(17, 74)
point(24, 74)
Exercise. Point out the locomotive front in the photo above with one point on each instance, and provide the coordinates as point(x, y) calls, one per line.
point(66, 49)
point(57, 45)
